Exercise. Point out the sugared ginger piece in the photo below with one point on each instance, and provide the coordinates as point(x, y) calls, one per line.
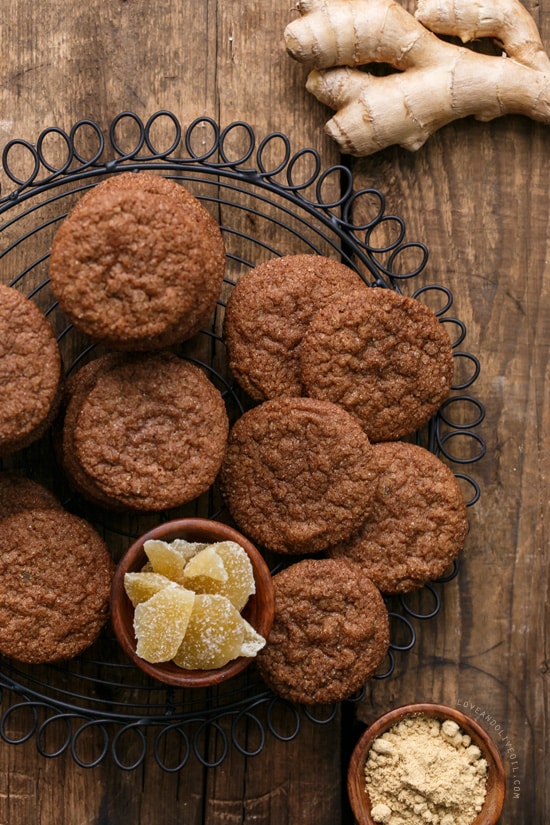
point(160, 623)
point(214, 636)
point(237, 585)
point(141, 586)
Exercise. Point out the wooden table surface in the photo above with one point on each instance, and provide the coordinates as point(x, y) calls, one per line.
point(477, 195)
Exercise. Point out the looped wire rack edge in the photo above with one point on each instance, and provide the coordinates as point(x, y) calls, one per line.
point(269, 201)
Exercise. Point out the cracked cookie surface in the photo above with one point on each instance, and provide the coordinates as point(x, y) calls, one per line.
point(30, 371)
point(19, 493)
point(418, 523)
point(383, 356)
point(329, 635)
point(268, 313)
point(138, 263)
point(297, 474)
point(146, 432)
point(55, 574)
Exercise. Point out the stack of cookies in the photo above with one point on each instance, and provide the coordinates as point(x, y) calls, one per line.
point(138, 263)
point(55, 576)
point(30, 372)
point(141, 433)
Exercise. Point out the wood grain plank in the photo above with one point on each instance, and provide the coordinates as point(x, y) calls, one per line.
point(63, 62)
point(464, 194)
point(288, 781)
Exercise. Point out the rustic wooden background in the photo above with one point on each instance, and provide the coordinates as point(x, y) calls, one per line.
point(477, 195)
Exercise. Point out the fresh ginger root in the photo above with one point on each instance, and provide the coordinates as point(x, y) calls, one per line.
point(435, 81)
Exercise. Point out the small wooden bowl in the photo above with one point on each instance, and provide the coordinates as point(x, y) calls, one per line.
point(496, 783)
point(259, 609)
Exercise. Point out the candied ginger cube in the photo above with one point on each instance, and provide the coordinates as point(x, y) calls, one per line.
point(252, 642)
point(207, 564)
point(141, 586)
point(165, 559)
point(239, 584)
point(187, 549)
point(160, 623)
point(214, 635)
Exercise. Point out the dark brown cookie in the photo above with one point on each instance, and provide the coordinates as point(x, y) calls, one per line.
point(30, 372)
point(329, 635)
point(383, 356)
point(267, 314)
point(18, 493)
point(297, 473)
point(55, 581)
point(418, 523)
point(154, 184)
point(146, 432)
point(138, 263)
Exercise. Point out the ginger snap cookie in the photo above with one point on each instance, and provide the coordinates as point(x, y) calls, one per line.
point(268, 313)
point(55, 582)
point(30, 371)
point(418, 523)
point(383, 356)
point(297, 473)
point(330, 632)
point(138, 263)
point(19, 493)
point(143, 432)
point(157, 185)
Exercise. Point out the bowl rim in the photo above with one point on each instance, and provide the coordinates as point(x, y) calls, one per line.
point(134, 557)
point(496, 782)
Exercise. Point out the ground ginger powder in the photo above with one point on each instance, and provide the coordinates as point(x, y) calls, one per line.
point(425, 772)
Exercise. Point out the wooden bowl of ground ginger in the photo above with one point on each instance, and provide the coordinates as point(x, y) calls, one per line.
point(426, 763)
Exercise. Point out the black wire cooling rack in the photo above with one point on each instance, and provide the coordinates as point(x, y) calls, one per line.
point(268, 201)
